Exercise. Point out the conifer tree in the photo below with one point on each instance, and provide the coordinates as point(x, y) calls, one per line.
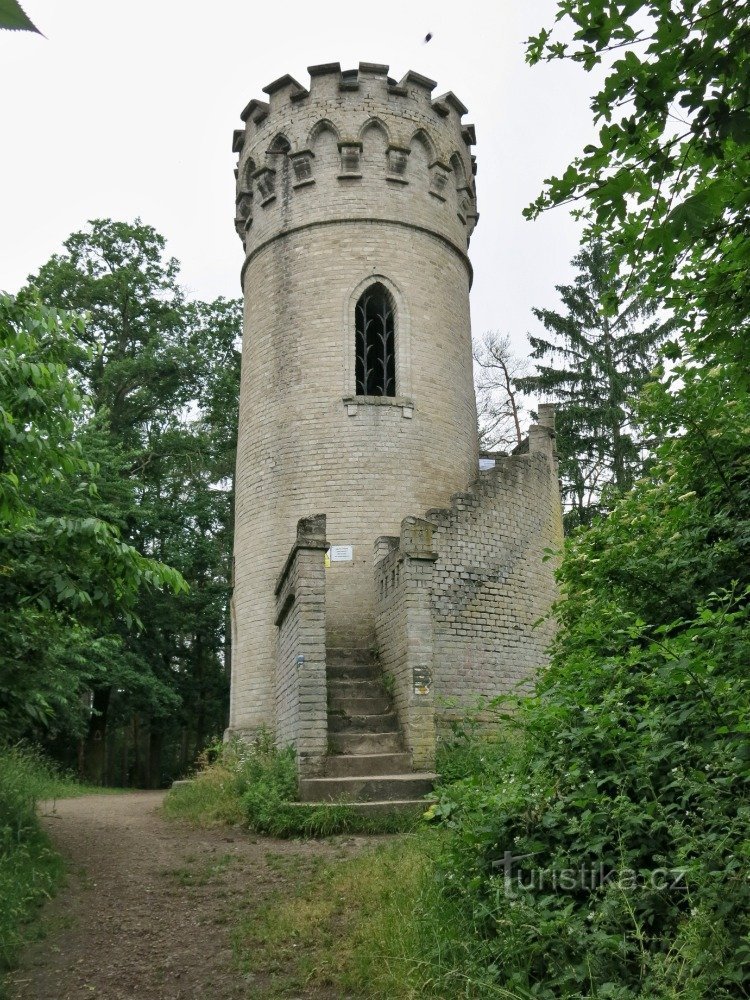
point(594, 365)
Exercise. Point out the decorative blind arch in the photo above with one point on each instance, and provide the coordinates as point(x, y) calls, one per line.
point(375, 342)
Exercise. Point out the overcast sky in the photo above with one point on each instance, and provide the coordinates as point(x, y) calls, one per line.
point(127, 109)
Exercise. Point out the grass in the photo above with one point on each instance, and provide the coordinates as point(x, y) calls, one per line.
point(387, 923)
point(369, 926)
point(203, 874)
point(211, 799)
point(30, 870)
point(255, 786)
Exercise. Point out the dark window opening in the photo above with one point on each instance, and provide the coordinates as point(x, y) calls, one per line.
point(376, 356)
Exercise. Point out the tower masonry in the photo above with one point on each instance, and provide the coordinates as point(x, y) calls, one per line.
point(355, 206)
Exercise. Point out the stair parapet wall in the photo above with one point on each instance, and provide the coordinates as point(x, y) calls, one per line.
point(300, 688)
point(404, 626)
point(488, 584)
point(494, 585)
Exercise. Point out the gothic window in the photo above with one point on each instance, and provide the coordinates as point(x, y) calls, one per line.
point(376, 356)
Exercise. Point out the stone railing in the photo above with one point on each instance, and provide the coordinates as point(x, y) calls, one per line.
point(301, 692)
point(403, 574)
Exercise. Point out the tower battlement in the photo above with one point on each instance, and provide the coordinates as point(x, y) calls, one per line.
point(354, 145)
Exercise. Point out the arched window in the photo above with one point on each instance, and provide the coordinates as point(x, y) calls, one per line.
point(375, 342)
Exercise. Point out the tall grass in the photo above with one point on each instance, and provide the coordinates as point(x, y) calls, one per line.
point(375, 925)
point(29, 868)
point(256, 786)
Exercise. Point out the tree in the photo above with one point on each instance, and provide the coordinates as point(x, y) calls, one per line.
point(632, 756)
point(163, 376)
point(499, 406)
point(140, 365)
point(666, 186)
point(636, 742)
point(64, 568)
point(598, 365)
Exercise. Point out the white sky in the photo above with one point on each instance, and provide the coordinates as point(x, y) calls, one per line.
point(127, 108)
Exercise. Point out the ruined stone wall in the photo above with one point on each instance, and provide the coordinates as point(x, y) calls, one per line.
point(359, 179)
point(301, 708)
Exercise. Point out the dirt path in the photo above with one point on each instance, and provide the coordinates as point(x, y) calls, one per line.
point(149, 906)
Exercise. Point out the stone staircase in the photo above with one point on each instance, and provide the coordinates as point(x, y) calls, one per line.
point(367, 765)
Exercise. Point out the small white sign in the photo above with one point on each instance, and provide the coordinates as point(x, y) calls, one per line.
point(341, 553)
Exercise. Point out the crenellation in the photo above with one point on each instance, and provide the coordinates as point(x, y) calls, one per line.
point(350, 105)
point(417, 82)
point(282, 92)
point(256, 111)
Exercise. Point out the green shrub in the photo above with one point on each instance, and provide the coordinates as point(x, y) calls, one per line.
point(475, 745)
point(256, 785)
point(609, 855)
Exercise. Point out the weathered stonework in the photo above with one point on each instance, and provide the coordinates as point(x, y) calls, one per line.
point(464, 594)
point(312, 245)
point(300, 690)
point(355, 181)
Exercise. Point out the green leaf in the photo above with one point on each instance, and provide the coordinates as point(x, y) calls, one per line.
point(14, 18)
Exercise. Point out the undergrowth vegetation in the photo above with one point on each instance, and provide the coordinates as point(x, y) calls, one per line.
point(255, 785)
point(374, 925)
point(606, 854)
point(29, 868)
point(599, 845)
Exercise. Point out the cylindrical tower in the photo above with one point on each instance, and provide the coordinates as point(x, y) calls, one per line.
point(355, 204)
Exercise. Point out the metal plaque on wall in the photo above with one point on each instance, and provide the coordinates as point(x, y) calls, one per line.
point(422, 680)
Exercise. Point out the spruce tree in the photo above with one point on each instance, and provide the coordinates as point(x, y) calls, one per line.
point(594, 365)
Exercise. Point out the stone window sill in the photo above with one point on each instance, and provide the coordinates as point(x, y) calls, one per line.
point(353, 403)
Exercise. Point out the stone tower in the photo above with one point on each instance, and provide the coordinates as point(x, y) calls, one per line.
point(355, 206)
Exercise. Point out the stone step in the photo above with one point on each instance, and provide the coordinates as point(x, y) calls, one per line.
point(366, 788)
point(349, 654)
point(359, 687)
point(358, 704)
point(364, 743)
point(348, 670)
point(385, 722)
point(349, 765)
point(409, 806)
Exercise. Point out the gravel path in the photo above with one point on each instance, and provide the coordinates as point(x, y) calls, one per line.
point(149, 906)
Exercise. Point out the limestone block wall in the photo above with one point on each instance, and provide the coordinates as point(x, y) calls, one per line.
point(300, 676)
point(485, 576)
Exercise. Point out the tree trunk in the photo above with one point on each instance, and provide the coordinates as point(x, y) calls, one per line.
point(95, 753)
point(155, 746)
point(124, 761)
